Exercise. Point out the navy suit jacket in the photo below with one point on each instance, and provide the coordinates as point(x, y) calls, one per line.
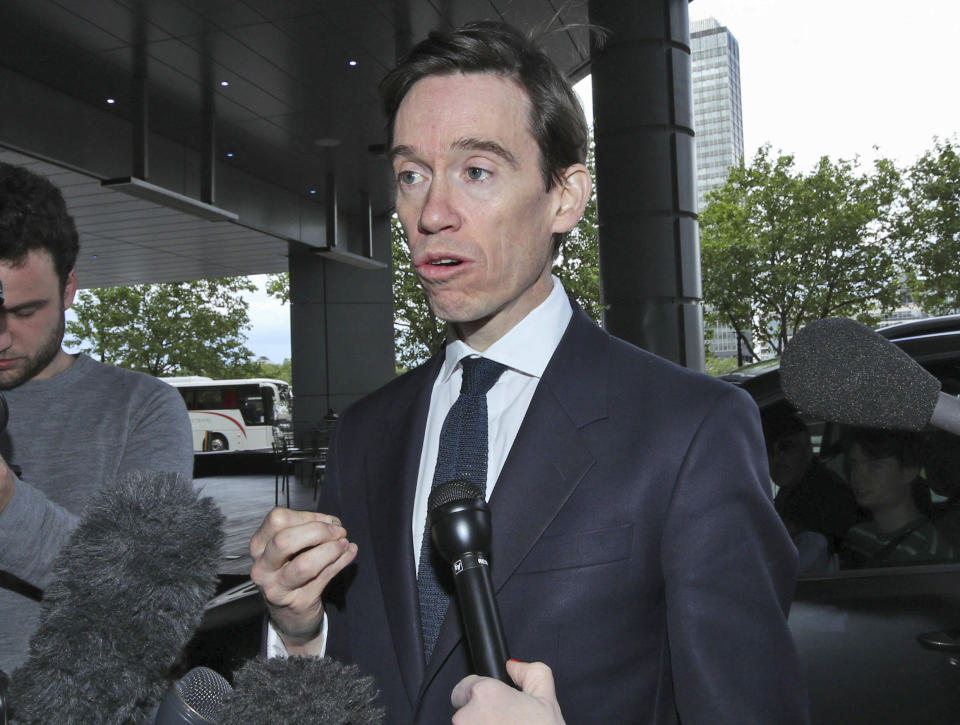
point(635, 547)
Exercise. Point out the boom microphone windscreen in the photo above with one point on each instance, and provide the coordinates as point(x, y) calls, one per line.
point(842, 371)
point(129, 590)
point(297, 690)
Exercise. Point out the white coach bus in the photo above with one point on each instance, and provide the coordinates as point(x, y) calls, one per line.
point(236, 415)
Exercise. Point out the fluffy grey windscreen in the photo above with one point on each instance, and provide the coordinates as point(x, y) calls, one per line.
point(842, 371)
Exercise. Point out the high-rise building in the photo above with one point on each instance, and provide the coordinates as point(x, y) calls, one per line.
point(717, 125)
point(717, 107)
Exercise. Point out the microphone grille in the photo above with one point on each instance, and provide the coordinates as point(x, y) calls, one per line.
point(204, 690)
point(459, 490)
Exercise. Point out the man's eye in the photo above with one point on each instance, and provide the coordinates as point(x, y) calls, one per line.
point(475, 173)
point(408, 177)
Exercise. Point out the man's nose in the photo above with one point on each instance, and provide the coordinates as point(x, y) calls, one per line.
point(439, 211)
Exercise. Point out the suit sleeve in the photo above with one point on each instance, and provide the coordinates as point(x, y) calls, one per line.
point(730, 572)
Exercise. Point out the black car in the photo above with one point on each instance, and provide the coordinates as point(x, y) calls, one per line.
point(876, 615)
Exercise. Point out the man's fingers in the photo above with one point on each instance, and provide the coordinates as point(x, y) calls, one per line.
point(279, 519)
point(462, 692)
point(272, 546)
point(534, 678)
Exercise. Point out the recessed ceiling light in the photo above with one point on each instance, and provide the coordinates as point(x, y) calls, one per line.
point(352, 63)
point(224, 83)
point(111, 101)
point(96, 256)
point(313, 191)
point(229, 154)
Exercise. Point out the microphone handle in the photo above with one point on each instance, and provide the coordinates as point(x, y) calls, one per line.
point(3, 697)
point(481, 616)
point(946, 413)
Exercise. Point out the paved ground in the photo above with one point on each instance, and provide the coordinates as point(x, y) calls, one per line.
point(243, 487)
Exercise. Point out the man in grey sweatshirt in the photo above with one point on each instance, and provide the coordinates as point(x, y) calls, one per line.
point(74, 423)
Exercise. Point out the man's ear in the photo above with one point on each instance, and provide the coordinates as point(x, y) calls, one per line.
point(574, 195)
point(69, 290)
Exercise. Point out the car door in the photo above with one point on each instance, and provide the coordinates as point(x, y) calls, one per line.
point(879, 643)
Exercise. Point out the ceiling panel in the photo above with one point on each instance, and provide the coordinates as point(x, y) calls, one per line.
point(289, 85)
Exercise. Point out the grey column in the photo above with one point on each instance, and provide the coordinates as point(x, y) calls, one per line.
point(646, 177)
point(341, 330)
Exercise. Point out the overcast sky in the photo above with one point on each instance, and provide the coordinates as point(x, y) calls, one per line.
point(818, 77)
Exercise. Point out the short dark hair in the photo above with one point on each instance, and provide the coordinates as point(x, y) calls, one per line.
point(904, 446)
point(557, 121)
point(33, 216)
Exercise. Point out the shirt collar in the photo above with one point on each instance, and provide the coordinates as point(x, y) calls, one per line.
point(529, 345)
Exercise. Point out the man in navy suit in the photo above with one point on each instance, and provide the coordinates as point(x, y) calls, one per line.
point(637, 558)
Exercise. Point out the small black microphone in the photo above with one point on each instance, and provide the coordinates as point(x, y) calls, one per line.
point(842, 371)
point(195, 699)
point(3, 697)
point(462, 532)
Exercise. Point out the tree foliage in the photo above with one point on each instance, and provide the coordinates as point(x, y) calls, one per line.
point(417, 332)
point(178, 328)
point(781, 248)
point(930, 226)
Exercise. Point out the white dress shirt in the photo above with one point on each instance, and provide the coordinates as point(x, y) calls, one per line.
point(525, 350)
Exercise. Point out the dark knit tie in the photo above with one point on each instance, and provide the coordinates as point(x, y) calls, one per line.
point(462, 455)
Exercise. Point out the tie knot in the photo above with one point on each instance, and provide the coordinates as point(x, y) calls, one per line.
point(479, 375)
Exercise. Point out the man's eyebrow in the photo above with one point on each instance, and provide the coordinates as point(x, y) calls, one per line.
point(36, 304)
point(492, 147)
point(463, 144)
point(401, 150)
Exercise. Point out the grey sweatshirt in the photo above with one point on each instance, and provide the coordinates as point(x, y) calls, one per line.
point(69, 434)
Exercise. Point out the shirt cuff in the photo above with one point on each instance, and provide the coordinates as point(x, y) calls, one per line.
point(275, 648)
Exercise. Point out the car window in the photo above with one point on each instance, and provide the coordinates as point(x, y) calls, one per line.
point(864, 499)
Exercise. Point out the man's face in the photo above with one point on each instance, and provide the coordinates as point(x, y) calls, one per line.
point(789, 457)
point(878, 482)
point(31, 319)
point(471, 198)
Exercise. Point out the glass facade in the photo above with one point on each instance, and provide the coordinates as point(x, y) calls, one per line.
point(717, 125)
point(717, 107)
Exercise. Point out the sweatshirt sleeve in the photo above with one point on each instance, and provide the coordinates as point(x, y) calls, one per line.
point(32, 531)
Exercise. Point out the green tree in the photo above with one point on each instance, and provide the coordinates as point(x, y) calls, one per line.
point(278, 285)
point(177, 328)
point(930, 226)
point(781, 248)
point(417, 332)
point(278, 371)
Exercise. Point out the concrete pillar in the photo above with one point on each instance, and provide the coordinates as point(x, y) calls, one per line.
point(341, 330)
point(646, 177)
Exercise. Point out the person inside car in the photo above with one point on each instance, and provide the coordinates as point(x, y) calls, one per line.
point(811, 497)
point(883, 470)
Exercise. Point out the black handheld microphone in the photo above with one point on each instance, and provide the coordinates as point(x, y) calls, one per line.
point(842, 371)
point(129, 590)
point(462, 532)
point(3, 697)
point(195, 699)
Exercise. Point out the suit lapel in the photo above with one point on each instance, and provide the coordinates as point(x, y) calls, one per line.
point(548, 453)
point(390, 508)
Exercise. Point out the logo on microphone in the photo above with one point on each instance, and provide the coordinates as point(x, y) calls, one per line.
point(458, 566)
